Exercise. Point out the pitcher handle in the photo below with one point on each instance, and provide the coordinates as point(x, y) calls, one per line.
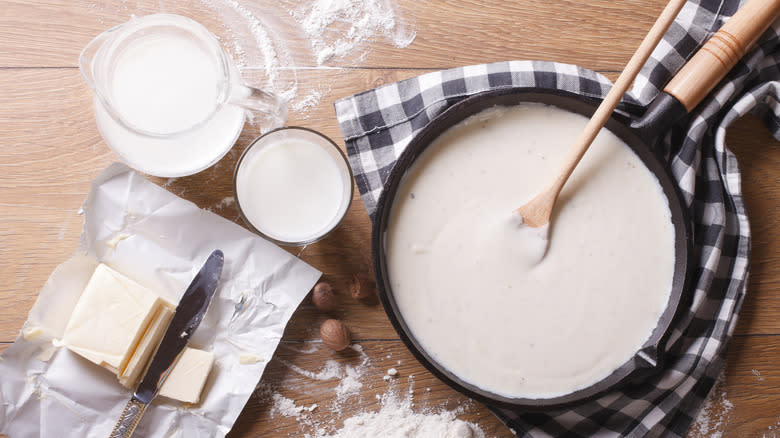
point(90, 52)
point(271, 106)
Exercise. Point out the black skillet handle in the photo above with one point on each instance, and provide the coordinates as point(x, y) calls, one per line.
point(708, 66)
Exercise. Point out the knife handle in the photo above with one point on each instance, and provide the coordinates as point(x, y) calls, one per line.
point(129, 419)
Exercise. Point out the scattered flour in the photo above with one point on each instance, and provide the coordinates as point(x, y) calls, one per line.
point(349, 376)
point(227, 201)
point(772, 431)
point(238, 19)
point(307, 103)
point(715, 413)
point(396, 419)
point(350, 383)
point(392, 372)
point(331, 370)
point(287, 408)
point(339, 27)
point(311, 347)
point(168, 182)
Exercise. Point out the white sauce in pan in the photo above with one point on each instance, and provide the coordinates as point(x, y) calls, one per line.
point(475, 287)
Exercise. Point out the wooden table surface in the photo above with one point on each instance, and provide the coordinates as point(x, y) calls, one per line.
point(51, 151)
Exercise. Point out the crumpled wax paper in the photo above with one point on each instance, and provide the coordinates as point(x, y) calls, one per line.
point(161, 241)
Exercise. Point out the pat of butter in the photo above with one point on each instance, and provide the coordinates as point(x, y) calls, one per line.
point(110, 318)
point(151, 339)
point(187, 378)
point(31, 333)
point(249, 358)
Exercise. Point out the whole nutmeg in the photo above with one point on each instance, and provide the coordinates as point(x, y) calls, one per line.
point(362, 287)
point(335, 334)
point(323, 297)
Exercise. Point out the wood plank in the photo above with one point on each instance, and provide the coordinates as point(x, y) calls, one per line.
point(53, 32)
point(745, 402)
point(51, 151)
point(759, 160)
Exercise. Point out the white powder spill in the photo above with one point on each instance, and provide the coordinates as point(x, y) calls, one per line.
point(349, 376)
point(715, 413)
point(259, 32)
point(397, 419)
point(350, 383)
point(305, 104)
point(311, 347)
point(395, 415)
point(286, 407)
point(758, 375)
point(227, 201)
point(339, 27)
point(256, 46)
point(331, 370)
point(772, 431)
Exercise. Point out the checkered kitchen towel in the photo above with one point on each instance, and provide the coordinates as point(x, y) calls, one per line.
point(378, 124)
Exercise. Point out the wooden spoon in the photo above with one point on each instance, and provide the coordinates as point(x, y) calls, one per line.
point(537, 212)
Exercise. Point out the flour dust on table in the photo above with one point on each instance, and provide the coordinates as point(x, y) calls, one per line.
point(715, 413)
point(395, 416)
point(337, 28)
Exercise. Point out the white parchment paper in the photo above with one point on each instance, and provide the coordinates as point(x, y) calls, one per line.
point(161, 241)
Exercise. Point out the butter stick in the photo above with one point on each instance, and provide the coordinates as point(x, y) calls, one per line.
point(130, 375)
point(187, 378)
point(110, 318)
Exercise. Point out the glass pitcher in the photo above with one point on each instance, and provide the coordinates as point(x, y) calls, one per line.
point(167, 97)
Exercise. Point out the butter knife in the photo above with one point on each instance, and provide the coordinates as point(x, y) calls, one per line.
point(189, 313)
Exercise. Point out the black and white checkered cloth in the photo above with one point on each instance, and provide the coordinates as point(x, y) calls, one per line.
point(379, 123)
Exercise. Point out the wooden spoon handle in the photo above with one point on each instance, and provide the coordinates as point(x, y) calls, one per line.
point(607, 106)
point(536, 213)
point(717, 57)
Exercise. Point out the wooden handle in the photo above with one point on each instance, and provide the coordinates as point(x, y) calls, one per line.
point(537, 212)
point(129, 419)
point(719, 55)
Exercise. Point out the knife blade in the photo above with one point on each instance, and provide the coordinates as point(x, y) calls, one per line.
point(189, 312)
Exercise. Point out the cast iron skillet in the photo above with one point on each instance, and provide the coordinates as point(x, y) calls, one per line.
point(510, 97)
point(683, 93)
